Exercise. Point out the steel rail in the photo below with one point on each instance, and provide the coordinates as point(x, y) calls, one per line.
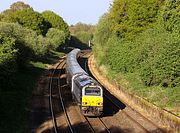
point(102, 122)
point(92, 129)
point(63, 105)
point(142, 127)
point(50, 100)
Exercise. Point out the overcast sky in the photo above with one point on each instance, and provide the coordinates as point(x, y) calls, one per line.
point(72, 11)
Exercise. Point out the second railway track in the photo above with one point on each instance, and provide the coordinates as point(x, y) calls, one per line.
point(59, 115)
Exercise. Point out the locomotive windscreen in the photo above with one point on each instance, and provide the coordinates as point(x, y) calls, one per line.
point(92, 91)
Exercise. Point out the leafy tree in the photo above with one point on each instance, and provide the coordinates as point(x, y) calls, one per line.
point(80, 27)
point(23, 14)
point(56, 22)
point(84, 37)
point(118, 16)
point(103, 30)
point(8, 53)
point(28, 43)
point(9, 14)
point(146, 40)
point(32, 20)
point(19, 5)
point(133, 16)
point(1, 16)
point(56, 37)
point(41, 47)
point(170, 16)
point(18, 33)
point(8, 56)
point(82, 33)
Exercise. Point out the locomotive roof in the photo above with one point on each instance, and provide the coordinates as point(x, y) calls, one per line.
point(84, 80)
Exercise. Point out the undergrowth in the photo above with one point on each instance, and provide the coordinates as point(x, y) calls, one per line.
point(15, 95)
point(165, 98)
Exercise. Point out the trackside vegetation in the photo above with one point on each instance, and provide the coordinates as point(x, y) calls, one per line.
point(137, 44)
point(27, 43)
point(84, 32)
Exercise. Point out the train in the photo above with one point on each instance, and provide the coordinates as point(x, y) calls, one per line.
point(86, 92)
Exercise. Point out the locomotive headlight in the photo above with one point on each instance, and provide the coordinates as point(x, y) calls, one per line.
point(84, 102)
point(100, 103)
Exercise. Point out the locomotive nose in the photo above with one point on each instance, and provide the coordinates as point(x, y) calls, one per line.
point(92, 101)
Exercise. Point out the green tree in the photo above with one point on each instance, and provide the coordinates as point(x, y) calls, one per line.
point(19, 5)
point(170, 16)
point(81, 27)
point(82, 33)
point(133, 16)
point(103, 30)
point(56, 22)
point(57, 37)
point(28, 43)
point(8, 53)
point(84, 37)
point(23, 14)
point(32, 20)
point(9, 14)
point(1, 16)
point(8, 57)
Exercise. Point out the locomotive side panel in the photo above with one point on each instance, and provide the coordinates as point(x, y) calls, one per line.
point(77, 93)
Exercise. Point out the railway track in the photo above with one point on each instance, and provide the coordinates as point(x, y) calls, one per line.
point(51, 100)
point(97, 125)
point(142, 122)
point(63, 104)
point(55, 81)
point(106, 128)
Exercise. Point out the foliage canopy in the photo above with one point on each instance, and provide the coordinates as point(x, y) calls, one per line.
point(142, 36)
point(56, 22)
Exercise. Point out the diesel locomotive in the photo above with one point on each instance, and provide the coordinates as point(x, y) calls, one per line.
point(87, 93)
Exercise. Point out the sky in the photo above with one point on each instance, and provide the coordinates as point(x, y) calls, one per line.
point(72, 11)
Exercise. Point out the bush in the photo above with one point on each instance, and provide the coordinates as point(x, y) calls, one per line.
point(143, 56)
point(170, 16)
point(131, 17)
point(17, 33)
point(155, 58)
point(28, 43)
point(56, 22)
point(84, 37)
point(42, 46)
point(57, 37)
point(27, 18)
point(162, 66)
point(103, 30)
point(8, 55)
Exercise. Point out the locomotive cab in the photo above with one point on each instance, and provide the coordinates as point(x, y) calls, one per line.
point(92, 100)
